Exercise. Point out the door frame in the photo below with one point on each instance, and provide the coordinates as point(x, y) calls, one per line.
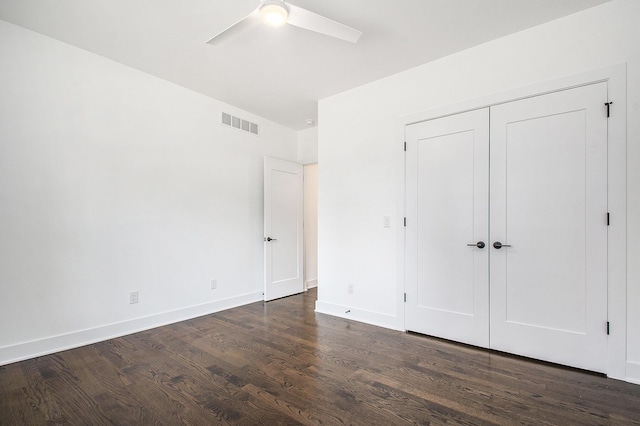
point(616, 77)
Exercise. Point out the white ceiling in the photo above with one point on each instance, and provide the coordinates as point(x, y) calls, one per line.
point(279, 74)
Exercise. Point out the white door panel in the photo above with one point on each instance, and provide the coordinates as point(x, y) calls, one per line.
point(447, 205)
point(549, 217)
point(549, 202)
point(447, 187)
point(283, 216)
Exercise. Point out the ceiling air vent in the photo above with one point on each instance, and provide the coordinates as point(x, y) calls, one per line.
point(239, 123)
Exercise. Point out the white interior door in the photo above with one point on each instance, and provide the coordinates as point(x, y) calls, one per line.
point(447, 228)
point(283, 230)
point(549, 203)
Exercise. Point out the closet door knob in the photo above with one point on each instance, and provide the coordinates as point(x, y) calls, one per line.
point(479, 244)
point(498, 245)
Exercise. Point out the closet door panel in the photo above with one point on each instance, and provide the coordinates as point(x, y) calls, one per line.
point(549, 204)
point(447, 215)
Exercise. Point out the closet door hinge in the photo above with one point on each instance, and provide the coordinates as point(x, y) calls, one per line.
point(405, 147)
point(405, 298)
point(608, 105)
point(405, 222)
point(608, 219)
point(608, 328)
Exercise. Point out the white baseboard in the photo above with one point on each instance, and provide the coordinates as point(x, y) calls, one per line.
point(368, 317)
point(633, 372)
point(311, 283)
point(35, 348)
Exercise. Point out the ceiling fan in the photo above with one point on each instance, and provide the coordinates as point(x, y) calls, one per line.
point(277, 13)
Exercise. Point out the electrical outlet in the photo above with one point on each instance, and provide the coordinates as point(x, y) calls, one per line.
point(214, 284)
point(350, 288)
point(133, 297)
point(386, 221)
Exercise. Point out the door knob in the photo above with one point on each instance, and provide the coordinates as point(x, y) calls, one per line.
point(479, 244)
point(498, 245)
point(271, 239)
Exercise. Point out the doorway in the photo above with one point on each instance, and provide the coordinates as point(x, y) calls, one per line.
point(310, 226)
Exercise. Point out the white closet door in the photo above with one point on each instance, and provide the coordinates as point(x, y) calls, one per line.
point(549, 203)
point(447, 202)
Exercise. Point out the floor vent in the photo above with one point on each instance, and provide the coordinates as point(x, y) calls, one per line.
point(239, 123)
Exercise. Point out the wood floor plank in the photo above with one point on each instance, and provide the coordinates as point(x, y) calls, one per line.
point(281, 363)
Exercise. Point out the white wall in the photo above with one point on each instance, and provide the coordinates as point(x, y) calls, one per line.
point(311, 225)
point(308, 146)
point(114, 181)
point(359, 146)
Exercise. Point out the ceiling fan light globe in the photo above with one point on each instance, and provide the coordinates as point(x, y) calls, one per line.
point(274, 13)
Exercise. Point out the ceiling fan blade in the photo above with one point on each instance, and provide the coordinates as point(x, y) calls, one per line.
point(249, 21)
point(308, 20)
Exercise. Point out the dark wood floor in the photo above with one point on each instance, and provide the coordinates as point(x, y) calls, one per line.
point(281, 363)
